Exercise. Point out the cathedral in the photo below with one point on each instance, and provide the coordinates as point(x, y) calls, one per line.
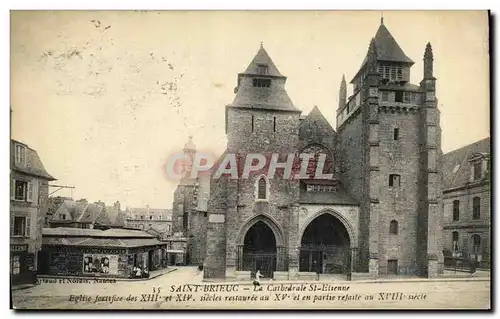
point(379, 215)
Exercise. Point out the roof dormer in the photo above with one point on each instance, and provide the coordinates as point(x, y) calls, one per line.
point(478, 166)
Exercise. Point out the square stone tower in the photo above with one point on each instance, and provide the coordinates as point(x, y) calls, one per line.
point(390, 160)
point(261, 120)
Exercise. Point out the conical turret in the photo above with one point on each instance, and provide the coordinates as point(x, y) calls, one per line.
point(428, 62)
point(342, 93)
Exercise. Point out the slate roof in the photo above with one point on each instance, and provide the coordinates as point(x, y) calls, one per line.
point(88, 213)
point(274, 97)
point(163, 211)
point(56, 241)
point(102, 242)
point(387, 49)
point(68, 231)
point(33, 165)
point(262, 57)
point(110, 233)
point(315, 124)
point(71, 209)
point(93, 213)
point(457, 168)
point(124, 233)
point(141, 242)
point(146, 211)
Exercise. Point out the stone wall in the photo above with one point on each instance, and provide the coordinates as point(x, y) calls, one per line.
point(178, 209)
point(214, 265)
point(197, 237)
point(263, 139)
point(351, 163)
point(398, 203)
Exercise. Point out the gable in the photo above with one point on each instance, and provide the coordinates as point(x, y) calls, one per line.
point(315, 128)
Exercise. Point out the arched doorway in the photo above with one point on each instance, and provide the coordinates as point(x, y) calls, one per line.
point(325, 246)
point(259, 250)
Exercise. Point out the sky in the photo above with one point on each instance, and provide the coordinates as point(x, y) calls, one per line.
point(106, 96)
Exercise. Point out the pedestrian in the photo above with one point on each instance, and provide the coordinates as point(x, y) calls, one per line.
point(256, 282)
point(316, 269)
point(138, 272)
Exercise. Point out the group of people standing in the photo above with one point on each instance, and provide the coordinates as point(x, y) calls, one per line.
point(138, 272)
point(96, 265)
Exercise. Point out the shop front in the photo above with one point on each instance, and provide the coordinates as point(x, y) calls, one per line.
point(84, 261)
point(21, 265)
point(98, 256)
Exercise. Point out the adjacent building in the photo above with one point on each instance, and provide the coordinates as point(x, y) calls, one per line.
point(155, 221)
point(467, 198)
point(100, 253)
point(82, 214)
point(29, 194)
point(381, 212)
point(190, 210)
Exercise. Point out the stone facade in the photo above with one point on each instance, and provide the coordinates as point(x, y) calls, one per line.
point(467, 198)
point(396, 172)
point(382, 203)
point(189, 210)
point(153, 220)
point(28, 207)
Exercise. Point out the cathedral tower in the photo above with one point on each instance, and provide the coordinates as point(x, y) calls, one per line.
point(388, 139)
point(251, 212)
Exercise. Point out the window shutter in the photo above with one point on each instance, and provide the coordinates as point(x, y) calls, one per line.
point(28, 226)
point(35, 192)
point(30, 192)
point(12, 188)
point(12, 225)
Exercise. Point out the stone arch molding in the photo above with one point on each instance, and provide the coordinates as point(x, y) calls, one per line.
point(269, 221)
point(317, 145)
point(353, 239)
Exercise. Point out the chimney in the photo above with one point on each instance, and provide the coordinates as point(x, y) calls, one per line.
point(82, 200)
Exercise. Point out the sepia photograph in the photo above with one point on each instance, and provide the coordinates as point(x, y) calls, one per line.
point(247, 160)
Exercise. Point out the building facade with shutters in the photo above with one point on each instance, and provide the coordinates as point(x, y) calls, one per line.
point(156, 221)
point(29, 194)
point(467, 198)
point(380, 212)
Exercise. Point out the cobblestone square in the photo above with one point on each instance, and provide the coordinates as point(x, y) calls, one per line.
point(171, 292)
